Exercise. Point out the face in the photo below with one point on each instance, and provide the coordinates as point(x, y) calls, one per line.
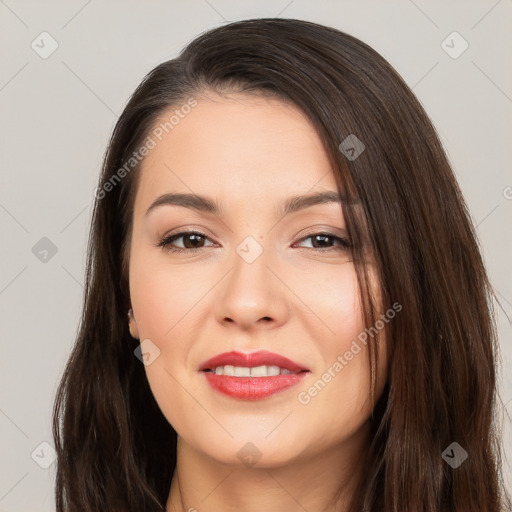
point(249, 280)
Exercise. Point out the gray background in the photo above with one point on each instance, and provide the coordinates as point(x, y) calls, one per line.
point(57, 114)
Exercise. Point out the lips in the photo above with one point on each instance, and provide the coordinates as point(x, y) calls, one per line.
point(251, 376)
point(254, 359)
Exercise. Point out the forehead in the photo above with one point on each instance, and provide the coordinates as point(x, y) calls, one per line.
point(237, 147)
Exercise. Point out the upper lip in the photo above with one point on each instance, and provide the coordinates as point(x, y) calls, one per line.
point(259, 358)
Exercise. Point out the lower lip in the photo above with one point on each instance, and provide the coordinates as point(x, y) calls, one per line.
point(252, 388)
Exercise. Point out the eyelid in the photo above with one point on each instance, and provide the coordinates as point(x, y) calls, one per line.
point(187, 229)
point(322, 228)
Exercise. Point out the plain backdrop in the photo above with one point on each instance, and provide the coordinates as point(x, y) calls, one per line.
point(57, 112)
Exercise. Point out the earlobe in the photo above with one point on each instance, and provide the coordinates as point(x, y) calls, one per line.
point(134, 331)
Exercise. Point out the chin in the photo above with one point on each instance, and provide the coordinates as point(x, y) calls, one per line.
point(250, 448)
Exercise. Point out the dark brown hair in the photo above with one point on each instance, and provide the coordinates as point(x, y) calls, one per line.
point(116, 450)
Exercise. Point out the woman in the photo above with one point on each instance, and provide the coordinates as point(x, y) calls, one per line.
point(285, 304)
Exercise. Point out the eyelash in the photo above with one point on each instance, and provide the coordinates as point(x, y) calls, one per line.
point(165, 242)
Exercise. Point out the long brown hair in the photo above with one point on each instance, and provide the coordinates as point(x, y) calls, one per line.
point(116, 450)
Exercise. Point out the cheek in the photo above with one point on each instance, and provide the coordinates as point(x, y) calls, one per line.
point(331, 294)
point(161, 293)
point(167, 300)
point(152, 300)
point(341, 385)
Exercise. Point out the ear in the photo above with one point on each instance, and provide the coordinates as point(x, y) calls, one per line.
point(132, 324)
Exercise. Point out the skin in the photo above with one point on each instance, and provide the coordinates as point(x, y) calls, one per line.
point(250, 154)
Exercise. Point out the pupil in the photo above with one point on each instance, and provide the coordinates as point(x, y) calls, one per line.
point(320, 237)
point(194, 244)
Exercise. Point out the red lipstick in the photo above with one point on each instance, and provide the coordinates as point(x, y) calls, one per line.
point(260, 374)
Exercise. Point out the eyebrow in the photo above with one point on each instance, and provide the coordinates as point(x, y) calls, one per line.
point(204, 204)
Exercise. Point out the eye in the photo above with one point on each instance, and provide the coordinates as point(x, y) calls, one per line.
point(190, 241)
point(324, 241)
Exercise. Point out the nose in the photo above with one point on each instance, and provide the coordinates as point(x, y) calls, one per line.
point(251, 297)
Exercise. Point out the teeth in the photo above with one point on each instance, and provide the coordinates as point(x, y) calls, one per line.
point(272, 370)
point(256, 371)
point(240, 371)
point(229, 370)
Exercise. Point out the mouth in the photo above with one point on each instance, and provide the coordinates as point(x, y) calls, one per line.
point(254, 371)
point(251, 376)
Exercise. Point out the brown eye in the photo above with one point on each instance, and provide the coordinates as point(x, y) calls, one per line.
point(190, 241)
point(322, 241)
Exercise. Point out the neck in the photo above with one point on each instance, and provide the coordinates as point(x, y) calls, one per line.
point(323, 483)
